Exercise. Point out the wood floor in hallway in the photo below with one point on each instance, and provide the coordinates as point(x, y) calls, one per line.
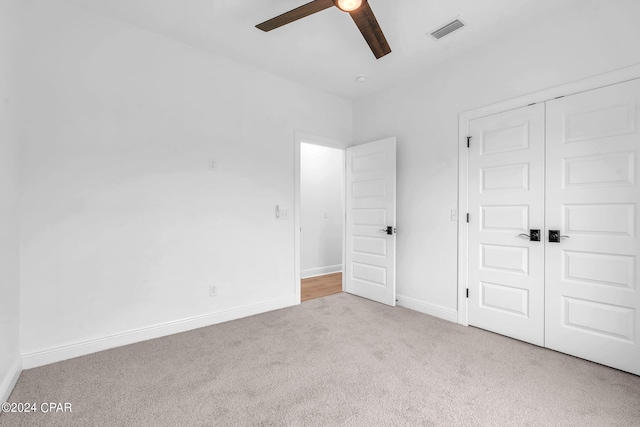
point(320, 286)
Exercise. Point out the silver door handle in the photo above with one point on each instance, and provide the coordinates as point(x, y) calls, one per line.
point(389, 230)
point(534, 235)
point(554, 236)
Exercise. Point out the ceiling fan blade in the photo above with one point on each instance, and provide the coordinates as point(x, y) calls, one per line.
point(370, 29)
point(295, 14)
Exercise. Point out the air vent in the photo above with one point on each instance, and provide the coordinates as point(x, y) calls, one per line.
point(447, 29)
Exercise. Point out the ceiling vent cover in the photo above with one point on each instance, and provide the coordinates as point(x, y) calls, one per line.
point(447, 29)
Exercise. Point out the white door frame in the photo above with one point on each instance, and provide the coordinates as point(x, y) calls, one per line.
point(607, 79)
point(301, 137)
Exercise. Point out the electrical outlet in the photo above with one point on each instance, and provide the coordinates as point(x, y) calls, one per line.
point(213, 291)
point(284, 214)
point(212, 165)
point(454, 214)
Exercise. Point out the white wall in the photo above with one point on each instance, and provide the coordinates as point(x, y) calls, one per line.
point(9, 133)
point(321, 208)
point(123, 226)
point(600, 36)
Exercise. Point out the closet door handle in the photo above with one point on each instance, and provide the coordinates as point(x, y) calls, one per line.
point(534, 235)
point(554, 236)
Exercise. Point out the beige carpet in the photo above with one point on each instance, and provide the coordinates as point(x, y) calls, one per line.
point(337, 360)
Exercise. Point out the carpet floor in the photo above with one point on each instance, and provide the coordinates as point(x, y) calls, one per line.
point(337, 360)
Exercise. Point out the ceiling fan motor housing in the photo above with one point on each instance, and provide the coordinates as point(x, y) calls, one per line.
point(349, 5)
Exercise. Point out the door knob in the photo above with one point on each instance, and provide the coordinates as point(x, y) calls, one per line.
point(534, 235)
point(389, 230)
point(554, 236)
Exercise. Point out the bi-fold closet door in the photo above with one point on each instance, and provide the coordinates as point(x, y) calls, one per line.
point(553, 249)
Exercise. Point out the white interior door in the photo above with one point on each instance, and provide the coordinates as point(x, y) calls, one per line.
point(370, 209)
point(506, 201)
point(592, 286)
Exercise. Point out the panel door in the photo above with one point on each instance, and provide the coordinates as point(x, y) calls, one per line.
point(506, 200)
point(370, 209)
point(592, 286)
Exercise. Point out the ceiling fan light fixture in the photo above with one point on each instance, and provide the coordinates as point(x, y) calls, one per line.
point(359, 10)
point(348, 5)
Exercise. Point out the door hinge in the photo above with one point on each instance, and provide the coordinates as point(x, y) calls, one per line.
point(467, 217)
point(468, 141)
point(467, 292)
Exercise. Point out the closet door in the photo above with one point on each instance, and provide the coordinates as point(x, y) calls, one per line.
point(592, 197)
point(506, 201)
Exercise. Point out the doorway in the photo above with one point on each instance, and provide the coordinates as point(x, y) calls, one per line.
point(369, 217)
point(321, 219)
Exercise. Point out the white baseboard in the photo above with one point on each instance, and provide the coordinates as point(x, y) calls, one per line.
point(426, 308)
point(52, 355)
point(320, 271)
point(10, 379)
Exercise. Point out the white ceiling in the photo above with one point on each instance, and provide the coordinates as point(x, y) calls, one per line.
point(326, 50)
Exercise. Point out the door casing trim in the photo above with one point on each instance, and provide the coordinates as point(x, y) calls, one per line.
point(590, 83)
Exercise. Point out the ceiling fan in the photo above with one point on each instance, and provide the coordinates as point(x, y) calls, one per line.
point(359, 10)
